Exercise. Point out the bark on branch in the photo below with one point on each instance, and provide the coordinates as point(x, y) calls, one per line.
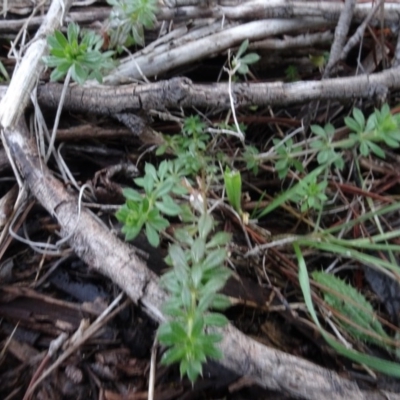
point(181, 92)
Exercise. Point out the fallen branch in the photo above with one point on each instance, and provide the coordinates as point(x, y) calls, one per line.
point(181, 92)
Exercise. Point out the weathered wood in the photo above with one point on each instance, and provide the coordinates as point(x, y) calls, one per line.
point(181, 92)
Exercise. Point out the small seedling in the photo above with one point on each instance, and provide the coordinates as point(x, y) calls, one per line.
point(286, 161)
point(311, 195)
point(146, 210)
point(381, 127)
point(196, 276)
point(78, 53)
point(240, 63)
point(127, 21)
point(326, 153)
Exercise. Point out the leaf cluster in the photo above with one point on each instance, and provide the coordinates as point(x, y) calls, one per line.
point(196, 276)
point(189, 146)
point(311, 194)
point(286, 160)
point(127, 21)
point(326, 153)
point(79, 52)
point(147, 209)
point(250, 157)
point(358, 310)
point(241, 62)
point(381, 127)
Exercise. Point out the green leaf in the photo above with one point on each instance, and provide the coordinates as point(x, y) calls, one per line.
point(174, 308)
point(233, 186)
point(220, 302)
point(194, 369)
point(132, 194)
point(168, 206)
point(212, 351)
point(390, 142)
point(376, 150)
point(60, 39)
point(282, 165)
point(78, 74)
point(56, 75)
point(318, 130)
point(206, 224)
point(131, 232)
point(170, 282)
point(54, 44)
point(353, 125)
point(152, 235)
point(215, 284)
point(146, 182)
point(169, 336)
point(364, 149)
point(324, 156)
point(250, 58)
point(242, 49)
point(157, 222)
point(289, 194)
point(173, 355)
point(150, 170)
point(198, 325)
point(186, 296)
point(211, 338)
point(72, 33)
point(183, 236)
point(215, 258)
point(215, 319)
point(178, 259)
point(197, 274)
point(161, 150)
point(198, 249)
point(359, 117)
point(219, 239)
point(243, 69)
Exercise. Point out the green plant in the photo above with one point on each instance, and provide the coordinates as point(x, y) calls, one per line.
point(78, 53)
point(311, 194)
point(145, 210)
point(326, 153)
point(381, 127)
point(319, 60)
point(240, 63)
point(189, 146)
point(233, 187)
point(353, 306)
point(378, 364)
point(250, 157)
point(196, 276)
point(127, 21)
point(285, 160)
